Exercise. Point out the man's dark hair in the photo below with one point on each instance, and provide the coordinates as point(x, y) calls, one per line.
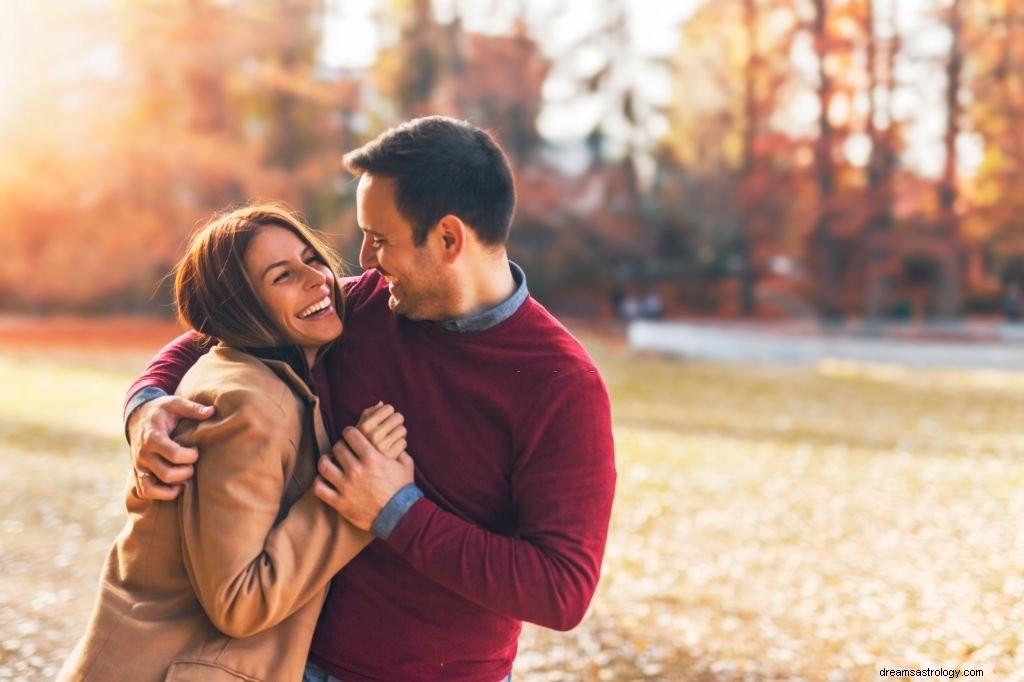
point(443, 166)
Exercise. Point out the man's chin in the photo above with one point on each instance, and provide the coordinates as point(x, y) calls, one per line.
point(396, 306)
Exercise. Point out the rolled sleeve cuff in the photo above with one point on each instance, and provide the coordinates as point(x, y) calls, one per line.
point(142, 396)
point(400, 503)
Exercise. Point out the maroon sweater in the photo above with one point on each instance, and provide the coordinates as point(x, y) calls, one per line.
point(510, 430)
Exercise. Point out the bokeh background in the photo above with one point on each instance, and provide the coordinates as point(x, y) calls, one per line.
point(841, 158)
point(776, 171)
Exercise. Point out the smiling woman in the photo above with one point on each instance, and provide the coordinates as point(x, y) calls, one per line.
point(297, 285)
point(231, 576)
point(282, 292)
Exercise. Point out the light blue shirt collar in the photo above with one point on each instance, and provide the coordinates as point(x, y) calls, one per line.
point(491, 317)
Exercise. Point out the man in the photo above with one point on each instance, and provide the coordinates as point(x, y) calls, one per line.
point(508, 423)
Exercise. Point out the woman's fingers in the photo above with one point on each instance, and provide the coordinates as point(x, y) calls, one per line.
point(374, 415)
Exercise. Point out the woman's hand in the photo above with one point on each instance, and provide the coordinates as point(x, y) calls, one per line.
point(384, 428)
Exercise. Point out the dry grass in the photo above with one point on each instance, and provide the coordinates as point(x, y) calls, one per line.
point(63, 461)
point(771, 523)
point(815, 523)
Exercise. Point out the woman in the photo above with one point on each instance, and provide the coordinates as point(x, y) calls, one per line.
point(226, 583)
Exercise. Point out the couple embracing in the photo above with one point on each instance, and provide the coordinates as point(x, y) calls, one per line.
point(371, 478)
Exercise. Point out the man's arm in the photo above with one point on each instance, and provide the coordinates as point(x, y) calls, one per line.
point(168, 366)
point(563, 487)
point(151, 414)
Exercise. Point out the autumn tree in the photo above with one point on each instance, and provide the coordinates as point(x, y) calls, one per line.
point(156, 115)
point(882, 35)
point(993, 106)
point(618, 133)
point(826, 244)
point(732, 137)
point(949, 220)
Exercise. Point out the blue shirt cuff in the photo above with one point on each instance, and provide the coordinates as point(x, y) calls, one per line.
point(141, 397)
point(400, 503)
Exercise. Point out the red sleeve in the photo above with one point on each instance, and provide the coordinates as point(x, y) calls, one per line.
point(563, 489)
point(168, 366)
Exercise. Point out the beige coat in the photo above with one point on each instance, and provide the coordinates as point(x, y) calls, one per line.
point(226, 583)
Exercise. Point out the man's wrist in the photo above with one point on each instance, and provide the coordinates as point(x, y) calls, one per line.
point(400, 503)
point(140, 398)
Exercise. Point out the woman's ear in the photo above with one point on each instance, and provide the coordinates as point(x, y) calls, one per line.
point(452, 233)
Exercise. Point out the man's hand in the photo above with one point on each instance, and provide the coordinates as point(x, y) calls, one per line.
point(360, 480)
point(161, 466)
point(384, 428)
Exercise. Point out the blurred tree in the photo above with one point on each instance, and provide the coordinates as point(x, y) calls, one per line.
point(480, 87)
point(408, 69)
point(604, 66)
point(732, 76)
point(826, 244)
point(441, 68)
point(994, 108)
point(949, 220)
point(883, 132)
point(770, 28)
point(187, 106)
point(839, 34)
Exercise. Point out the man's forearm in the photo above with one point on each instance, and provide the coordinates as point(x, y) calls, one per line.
point(140, 398)
point(547, 580)
point(164, 372)
point(547, 571)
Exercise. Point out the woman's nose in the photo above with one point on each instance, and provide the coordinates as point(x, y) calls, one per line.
point(315, 277)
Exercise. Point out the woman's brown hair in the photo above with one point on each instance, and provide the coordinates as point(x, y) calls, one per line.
point(212, 291)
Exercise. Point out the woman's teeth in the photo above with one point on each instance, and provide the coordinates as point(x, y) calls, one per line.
point(316, 307)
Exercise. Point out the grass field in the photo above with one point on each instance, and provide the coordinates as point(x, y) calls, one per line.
point(770, 524)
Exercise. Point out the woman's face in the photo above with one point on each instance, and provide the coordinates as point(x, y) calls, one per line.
point(296, 286)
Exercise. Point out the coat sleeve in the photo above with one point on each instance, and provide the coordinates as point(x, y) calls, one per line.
point(250, 568)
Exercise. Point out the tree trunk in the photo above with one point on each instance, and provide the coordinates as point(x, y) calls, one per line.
point(949, 294)
point(747, 273)
point(882, 162)
point(826, 244)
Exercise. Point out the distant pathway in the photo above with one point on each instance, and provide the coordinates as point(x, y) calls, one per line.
point(968, 345)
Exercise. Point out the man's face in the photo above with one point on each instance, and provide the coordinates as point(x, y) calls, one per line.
point(418, 280)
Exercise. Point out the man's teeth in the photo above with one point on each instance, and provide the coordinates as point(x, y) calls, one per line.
point(316, 307)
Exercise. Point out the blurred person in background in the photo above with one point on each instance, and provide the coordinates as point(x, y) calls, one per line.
point(507, 515)
point(227, 581)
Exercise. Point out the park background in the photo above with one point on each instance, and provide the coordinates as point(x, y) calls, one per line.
point(823, 168)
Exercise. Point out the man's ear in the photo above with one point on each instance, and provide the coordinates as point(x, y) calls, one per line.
point(453, 233)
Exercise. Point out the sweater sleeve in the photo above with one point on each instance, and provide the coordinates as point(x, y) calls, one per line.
point(562, 487)
point(249, 569)
point(168, 366)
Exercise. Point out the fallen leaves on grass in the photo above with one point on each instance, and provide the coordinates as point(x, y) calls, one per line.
point(770, 523)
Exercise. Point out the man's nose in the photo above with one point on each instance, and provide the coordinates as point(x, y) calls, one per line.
point(367, 255)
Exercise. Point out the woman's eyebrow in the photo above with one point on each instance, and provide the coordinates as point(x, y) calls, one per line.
point(273, 265)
